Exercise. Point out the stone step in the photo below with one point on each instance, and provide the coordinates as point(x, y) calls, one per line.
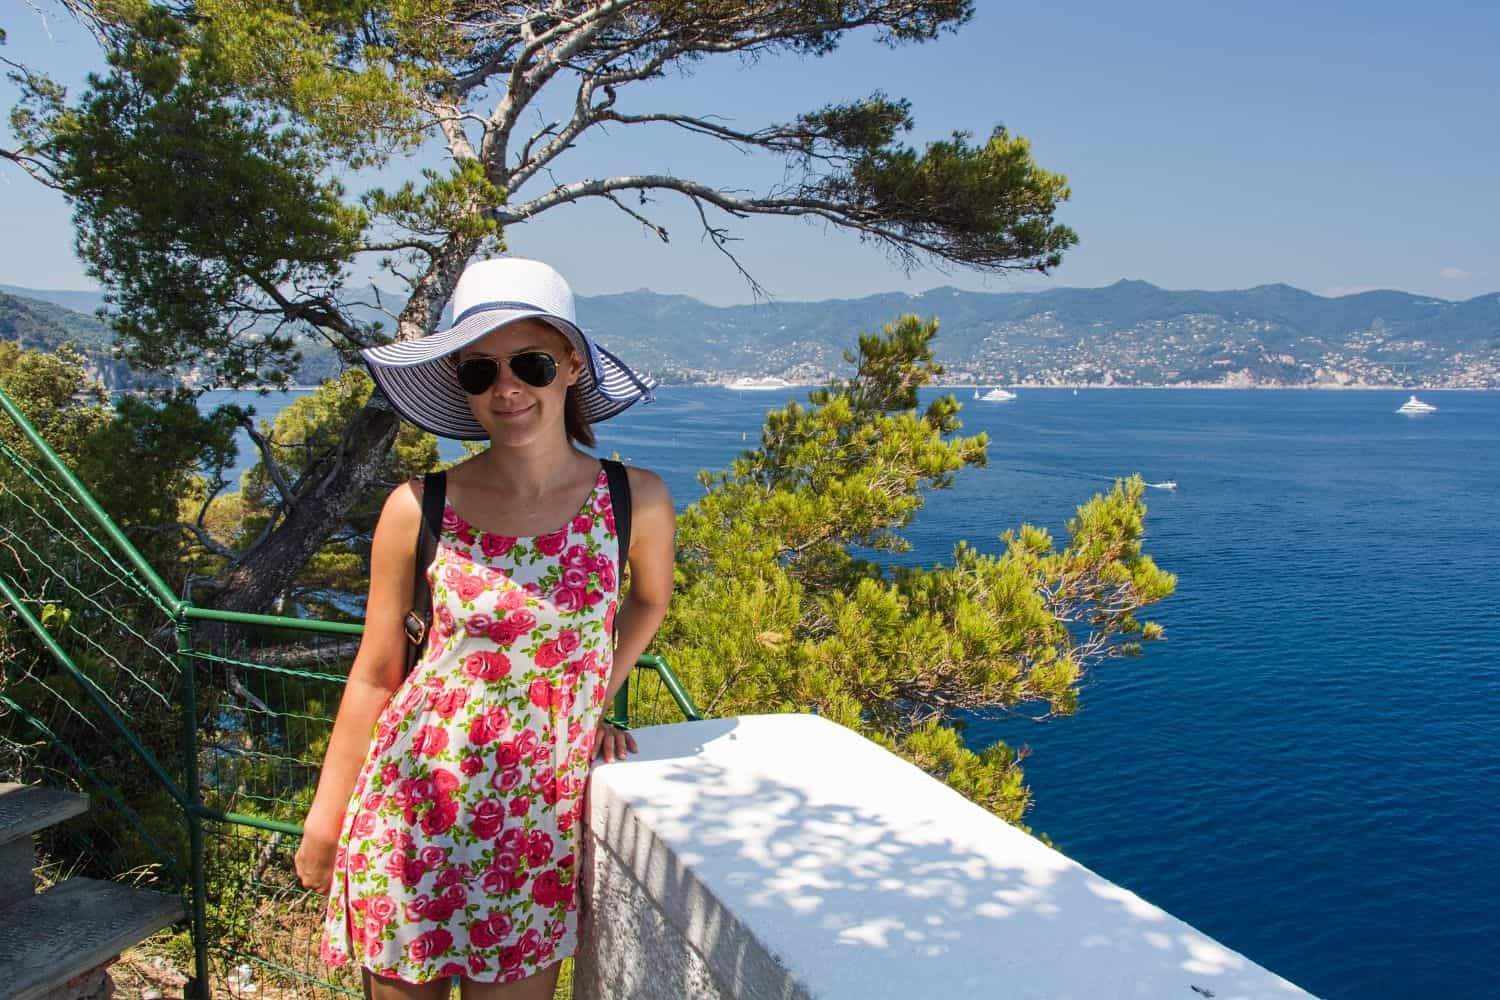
point(24, 810)
point(73, 927)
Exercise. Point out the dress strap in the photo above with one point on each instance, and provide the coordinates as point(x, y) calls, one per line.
point(619, 500)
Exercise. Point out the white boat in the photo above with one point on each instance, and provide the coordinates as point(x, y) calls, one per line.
point(996, 395)
point(1415, 405)
point(1167, 484)
point(759, 384)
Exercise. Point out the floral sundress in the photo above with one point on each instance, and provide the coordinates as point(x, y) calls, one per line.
point(459, 850)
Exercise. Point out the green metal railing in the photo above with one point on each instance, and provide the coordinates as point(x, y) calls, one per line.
point(199, 732)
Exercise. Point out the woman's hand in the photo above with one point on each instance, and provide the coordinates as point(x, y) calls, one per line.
point(314, 860)
point(613, 743)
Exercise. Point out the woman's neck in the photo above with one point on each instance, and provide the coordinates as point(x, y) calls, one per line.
point(532, 472)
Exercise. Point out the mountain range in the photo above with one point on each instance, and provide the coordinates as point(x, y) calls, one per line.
point(1128, 333)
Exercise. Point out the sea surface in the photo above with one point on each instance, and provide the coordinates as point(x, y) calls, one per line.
point(1308, 767)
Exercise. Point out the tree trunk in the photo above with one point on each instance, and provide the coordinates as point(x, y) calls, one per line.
point(270, 567)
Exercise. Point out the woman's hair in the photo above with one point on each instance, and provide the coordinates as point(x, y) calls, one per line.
point(579, 430)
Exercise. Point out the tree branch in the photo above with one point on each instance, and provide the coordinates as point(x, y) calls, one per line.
point(273, 468)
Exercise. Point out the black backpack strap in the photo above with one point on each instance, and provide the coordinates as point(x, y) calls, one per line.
point(419, 619)
point(619, 499)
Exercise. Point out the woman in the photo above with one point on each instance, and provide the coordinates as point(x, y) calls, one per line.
point(449, 841)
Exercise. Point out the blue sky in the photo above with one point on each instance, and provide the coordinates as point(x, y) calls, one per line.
point(1336, 147)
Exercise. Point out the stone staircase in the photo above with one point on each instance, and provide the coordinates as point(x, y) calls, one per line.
point(54, 945)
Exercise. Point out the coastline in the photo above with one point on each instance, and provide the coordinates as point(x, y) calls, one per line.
point(961, 386)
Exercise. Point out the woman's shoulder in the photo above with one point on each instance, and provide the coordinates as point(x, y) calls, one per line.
point(646, 488)
point(405, 501)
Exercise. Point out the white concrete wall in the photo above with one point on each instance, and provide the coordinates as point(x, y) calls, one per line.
point(785, 856)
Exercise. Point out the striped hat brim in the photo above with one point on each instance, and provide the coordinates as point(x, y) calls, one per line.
point(420, 377)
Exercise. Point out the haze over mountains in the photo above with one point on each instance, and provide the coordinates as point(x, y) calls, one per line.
point(1128, 333)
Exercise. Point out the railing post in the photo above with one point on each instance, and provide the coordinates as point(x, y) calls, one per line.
point(622, 703)
point(199, 988)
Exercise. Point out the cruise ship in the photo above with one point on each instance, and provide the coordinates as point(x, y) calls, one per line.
point(759, 384)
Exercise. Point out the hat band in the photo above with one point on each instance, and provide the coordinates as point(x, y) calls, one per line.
point(492, 306)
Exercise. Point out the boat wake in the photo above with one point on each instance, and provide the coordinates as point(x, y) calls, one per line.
point(1165, 484)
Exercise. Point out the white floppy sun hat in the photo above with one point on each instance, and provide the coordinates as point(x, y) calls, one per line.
point(420, 377)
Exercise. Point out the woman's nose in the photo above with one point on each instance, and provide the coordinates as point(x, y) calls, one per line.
point(505, 379)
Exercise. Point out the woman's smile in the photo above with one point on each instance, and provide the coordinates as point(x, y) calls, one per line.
point(512, 414)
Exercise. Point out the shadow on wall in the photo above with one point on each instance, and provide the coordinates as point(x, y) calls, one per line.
point(799, 859)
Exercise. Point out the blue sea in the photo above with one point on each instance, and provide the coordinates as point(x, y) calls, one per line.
point(1307, 767)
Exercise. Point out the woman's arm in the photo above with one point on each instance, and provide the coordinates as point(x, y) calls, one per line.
point(653, 524)
point(378, 670)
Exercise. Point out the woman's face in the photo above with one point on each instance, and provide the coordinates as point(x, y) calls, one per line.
point(511, 410)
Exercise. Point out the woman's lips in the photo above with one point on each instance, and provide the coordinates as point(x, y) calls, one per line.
point(512, 414)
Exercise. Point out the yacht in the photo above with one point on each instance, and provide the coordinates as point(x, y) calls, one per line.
point(996, 395)
point(1415, 405)
point(759, 384)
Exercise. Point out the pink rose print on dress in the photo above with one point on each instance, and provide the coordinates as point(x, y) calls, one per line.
point(458, 844)
point(364, 824)
point(486, 665)
point(496, 545)
point(443, 628)
point(516, 624)
point(547, 889)
point(430, 945)
point(408, 871)
point(488, 820)
point(538, 848)
point(551, 545)
point(468, 587)
point(489, 727)
point(380, 910)
point(430, 741)
point(440, 818)
point(508, 754)
point(541, 692)
point(448, 702)
point(576, 578)
point(490, 931)
point(549, 654)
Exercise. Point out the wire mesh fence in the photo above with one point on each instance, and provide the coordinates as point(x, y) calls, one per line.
point(198, 734)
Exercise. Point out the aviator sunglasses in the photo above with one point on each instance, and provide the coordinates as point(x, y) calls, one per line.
point(536, 368)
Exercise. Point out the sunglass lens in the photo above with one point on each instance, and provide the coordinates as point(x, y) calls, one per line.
point(535, 368)
point(476, 375)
